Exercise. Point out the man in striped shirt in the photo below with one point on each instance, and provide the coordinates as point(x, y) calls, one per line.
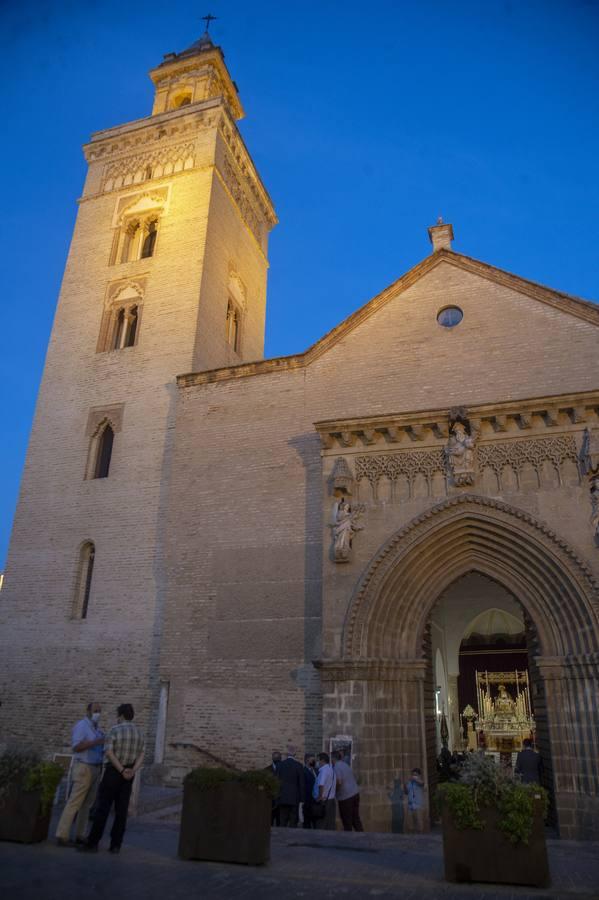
point(123, 757)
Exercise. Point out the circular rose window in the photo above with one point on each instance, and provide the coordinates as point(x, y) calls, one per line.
point(450, 316)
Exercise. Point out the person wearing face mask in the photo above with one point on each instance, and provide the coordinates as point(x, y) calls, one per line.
point(124, 751)
point(87, 740)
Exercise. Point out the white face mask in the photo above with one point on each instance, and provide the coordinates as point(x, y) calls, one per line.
point(96, 717)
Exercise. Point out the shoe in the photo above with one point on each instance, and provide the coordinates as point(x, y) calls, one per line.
point(80, 841)
point(61, 842)
point(114, 849)
point(88, 848)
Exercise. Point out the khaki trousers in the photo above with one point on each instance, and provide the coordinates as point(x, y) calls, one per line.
point(83, 793)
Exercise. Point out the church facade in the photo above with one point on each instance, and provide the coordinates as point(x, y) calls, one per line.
point(258, 550)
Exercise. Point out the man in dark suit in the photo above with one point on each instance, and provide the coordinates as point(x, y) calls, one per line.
point(291, 775)
point(273, 769)
point(309, 779)
point(529, 765)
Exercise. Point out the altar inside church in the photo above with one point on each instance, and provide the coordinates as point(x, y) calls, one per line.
point(504, 717)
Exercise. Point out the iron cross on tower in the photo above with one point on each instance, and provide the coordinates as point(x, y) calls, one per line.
point(208, 19)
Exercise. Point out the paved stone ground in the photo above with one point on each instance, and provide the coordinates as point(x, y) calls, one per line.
point(304, 864)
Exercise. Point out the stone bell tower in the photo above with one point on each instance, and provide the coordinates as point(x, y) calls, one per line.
point(166, 274)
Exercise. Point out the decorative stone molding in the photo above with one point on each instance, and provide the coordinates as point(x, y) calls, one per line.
point(140, 167)
point(128, 288)
point(496, 455)
point(338, 670)
point(443, 543)
point(239, 193)
point(405, 462)
point(486, 421)
point(535, 451)
point(136, 137)
point(249, 176)
point(101, 414)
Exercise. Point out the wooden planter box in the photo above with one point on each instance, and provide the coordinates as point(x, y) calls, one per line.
point(228, 823)
point(488, 855)
point(22, 819)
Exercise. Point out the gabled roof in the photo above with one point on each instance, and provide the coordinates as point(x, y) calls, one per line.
point(567, 303)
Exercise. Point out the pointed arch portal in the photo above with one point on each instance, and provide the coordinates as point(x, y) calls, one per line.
point(380, 685)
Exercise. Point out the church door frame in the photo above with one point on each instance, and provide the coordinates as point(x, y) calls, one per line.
point(378, 687)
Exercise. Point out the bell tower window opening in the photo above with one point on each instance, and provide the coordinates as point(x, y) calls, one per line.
point(83, 585)
point(126, 319)
point(149, 241)
point(138, 239)
point(233, 326)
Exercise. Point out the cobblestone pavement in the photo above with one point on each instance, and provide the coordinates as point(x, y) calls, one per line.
point(304, 864)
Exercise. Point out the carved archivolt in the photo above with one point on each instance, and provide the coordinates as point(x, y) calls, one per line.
point(468, 533)
point(152, 164)
point(496, 455)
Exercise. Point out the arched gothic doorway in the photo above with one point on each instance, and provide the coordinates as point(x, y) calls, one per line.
point(381, 678)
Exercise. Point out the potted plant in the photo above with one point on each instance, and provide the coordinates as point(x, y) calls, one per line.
point(493, 826)
point(27, 788)
point(226, 815)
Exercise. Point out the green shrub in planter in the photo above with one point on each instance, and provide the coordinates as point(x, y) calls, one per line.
point(493, 826)
point(27, 788)
point(226, 815)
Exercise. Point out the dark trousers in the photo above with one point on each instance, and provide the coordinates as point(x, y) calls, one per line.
point(309, 821)
point(113, 789)
point(289, 815)
point(349, 810)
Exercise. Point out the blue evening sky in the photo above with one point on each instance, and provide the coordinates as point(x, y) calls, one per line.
point(366, 122)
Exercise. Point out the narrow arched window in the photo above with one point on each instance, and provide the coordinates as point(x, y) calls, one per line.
point(84, 580)
point(149, 240)
point(119, 328)
point(233, 326)
point(129, 242)
point(104, 453)
point(131, 327)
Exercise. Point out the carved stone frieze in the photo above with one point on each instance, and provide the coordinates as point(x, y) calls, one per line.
point(154, 163)
point(247, 173)
point(405, 462)
point(239, 192)
point(534, 451)
point(496, 455)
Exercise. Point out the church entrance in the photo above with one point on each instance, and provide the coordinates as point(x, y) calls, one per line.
point(461, 578)
point(482, 686)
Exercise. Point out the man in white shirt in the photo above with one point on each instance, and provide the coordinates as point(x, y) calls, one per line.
point(348, 794)
point(324, 792)
point(87, 741)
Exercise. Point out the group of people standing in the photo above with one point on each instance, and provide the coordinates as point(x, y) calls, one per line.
point(102, 773)
point(312, 792)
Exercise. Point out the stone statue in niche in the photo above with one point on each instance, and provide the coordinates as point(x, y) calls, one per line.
point(460, 450)
point(344, 525)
